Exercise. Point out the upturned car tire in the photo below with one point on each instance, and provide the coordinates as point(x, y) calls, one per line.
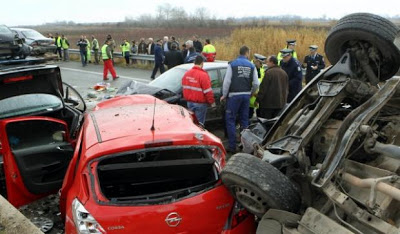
point(378, 31)
point(259, 186)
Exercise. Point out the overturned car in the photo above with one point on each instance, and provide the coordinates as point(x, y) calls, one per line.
point(331, 162)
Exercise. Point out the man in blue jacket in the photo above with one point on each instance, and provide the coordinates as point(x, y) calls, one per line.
point(158, 59)
point(292, 67)
point(240, 82)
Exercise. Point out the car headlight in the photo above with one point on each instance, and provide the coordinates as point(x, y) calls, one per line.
point(84, 221)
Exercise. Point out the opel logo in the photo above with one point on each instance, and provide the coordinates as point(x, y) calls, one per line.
point(173, 219)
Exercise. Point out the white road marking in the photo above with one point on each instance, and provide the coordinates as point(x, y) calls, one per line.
point(100, 73)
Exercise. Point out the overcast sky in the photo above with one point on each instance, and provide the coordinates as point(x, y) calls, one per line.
point(33, 12)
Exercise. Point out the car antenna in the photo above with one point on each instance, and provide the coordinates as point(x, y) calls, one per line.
point(154, 112)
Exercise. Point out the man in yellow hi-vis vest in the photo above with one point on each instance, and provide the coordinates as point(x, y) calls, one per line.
point(65, 47)
point(125, 47)
point(291, 44)
point(95, 47)
point(106, 54)
point(89, 51)
point(209, 51)
point(57, 42)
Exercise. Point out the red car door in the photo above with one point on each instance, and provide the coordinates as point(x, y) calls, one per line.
point(36, 152)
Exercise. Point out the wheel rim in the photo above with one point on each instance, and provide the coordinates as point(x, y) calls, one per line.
point(252, 201)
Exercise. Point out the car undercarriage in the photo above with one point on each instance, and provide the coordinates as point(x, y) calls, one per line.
point(330, 163)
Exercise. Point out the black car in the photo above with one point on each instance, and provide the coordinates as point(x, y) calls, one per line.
point(11, 45)
point(39, 43)
point(168, 87)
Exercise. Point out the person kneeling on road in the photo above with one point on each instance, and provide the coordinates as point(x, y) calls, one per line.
point(196, 84)
point(107, 59)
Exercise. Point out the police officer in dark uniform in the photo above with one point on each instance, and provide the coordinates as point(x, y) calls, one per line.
point(240, 82)
point(292, 67)
point(313, 63)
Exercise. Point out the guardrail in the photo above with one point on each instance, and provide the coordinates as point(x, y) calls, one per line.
point(144, 57)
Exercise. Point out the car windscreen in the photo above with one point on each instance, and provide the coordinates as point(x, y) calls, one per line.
point(29, 104)
point(32, 34)
point(4, 30)
point(171, 80)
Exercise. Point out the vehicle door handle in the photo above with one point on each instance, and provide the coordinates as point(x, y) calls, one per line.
point(64, 148)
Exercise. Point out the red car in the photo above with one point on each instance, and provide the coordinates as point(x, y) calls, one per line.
point(40, 118)
point(142, 165)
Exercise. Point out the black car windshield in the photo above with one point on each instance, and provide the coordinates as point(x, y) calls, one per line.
point(4, 30)
point(171, 80)
point(28, 104)
point(32, 34)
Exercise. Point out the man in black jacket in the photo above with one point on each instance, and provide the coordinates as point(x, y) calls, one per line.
point(158, 59)
point(82, 44)
point(313, 62)
point(292, 67)
point(173, 57)
point(197, 44)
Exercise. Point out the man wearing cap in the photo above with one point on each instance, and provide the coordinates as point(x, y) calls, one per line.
point(313, 63)
point(240, 82)
point(292, 67)
point(258, 62)
point(291, 44)
point(273, 92)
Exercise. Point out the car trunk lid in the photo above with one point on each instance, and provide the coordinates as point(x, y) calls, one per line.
point(17, 81)
point(173, 188)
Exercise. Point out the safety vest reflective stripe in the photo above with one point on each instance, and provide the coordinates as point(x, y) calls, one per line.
point(207, 90)
point(104, 52)
point(192, 88)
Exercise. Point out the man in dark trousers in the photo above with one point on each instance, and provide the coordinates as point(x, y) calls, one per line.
point(158, 59)
point(313, 63)
point(273, 91)
point(173, 57)
point(292, 67)
point(58, 43)
point(82, 44)
point(240, 82)
point(197, 91)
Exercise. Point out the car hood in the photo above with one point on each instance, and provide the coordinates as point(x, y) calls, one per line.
point(22, 80)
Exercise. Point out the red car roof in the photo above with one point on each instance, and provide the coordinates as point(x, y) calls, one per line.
point(124, 123)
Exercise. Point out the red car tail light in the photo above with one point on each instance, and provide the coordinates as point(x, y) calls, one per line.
point(84, 221)
point(17, 79)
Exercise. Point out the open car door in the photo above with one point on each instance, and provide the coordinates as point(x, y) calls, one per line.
point(36, 153)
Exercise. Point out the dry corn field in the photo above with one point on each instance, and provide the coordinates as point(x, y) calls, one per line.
point(269, 41)
point(266, 40)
